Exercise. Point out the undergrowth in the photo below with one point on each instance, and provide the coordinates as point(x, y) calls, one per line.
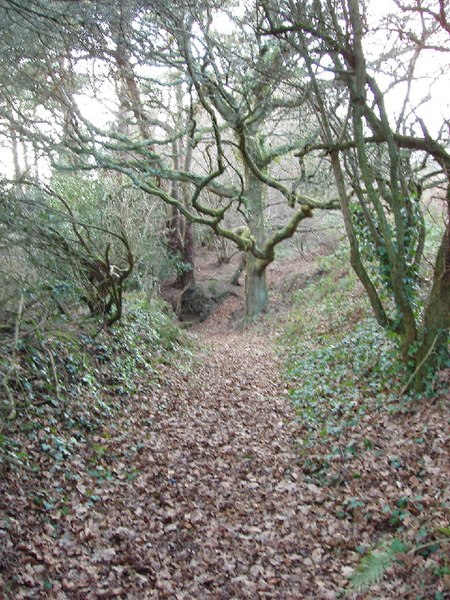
point(337, 357)
point(61, 381)
point(345, 381)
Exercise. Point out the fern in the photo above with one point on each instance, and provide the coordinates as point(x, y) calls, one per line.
point(374, 565)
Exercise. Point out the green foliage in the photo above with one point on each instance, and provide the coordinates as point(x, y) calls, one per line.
point(400, 263)
point(172, 265)
point(397, 514)
point(147, 337)
point(374, 251)
point(337, 357)
point(67, 382)
point(105, 203)
point(85, 195)
point(333, 378)
point(375, 563)
point(57, 259)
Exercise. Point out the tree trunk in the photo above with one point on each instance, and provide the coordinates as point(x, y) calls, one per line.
point(187, 277)
point(174, 232)
point(15, 152)
point(436, 322)
point(256, 290)
point(241, 266)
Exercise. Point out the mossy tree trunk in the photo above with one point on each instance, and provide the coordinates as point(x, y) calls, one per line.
point(187, 277)
point(256, 290)
point(433, 335)
point(383, 214)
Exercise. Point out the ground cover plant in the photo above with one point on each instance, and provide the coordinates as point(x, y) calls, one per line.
point(60, 383)
point(358, 424)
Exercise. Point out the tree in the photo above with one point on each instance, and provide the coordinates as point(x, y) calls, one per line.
point(51, 252)
point(236, 123)
point(241, 85)
point(240, 109)
point(180, 233)
point(384, 161)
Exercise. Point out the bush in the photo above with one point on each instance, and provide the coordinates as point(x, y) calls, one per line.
point(337, 357)
point(60, 380)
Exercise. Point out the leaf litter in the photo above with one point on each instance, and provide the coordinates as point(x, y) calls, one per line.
point(199, 488)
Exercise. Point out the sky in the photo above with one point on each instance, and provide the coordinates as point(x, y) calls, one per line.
point(434, 112)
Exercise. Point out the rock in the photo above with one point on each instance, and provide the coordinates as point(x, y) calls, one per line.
point(199, 300)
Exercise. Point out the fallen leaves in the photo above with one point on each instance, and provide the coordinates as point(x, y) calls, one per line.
point(198, 489)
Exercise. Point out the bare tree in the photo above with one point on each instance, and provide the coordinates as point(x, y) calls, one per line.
point(235, 101)
point(384, 161)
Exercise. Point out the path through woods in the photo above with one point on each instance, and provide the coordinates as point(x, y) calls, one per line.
point(204, 498)
point(197, 489)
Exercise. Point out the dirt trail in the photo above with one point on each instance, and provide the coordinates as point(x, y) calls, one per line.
point(194, 494)
point(197, 488)
point(219, 504)
point(235, 521)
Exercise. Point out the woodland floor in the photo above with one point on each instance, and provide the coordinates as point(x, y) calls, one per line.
point(197, 489)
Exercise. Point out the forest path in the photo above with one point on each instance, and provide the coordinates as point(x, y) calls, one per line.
point(219, 508)
point(192, 492)
point(198, 486)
